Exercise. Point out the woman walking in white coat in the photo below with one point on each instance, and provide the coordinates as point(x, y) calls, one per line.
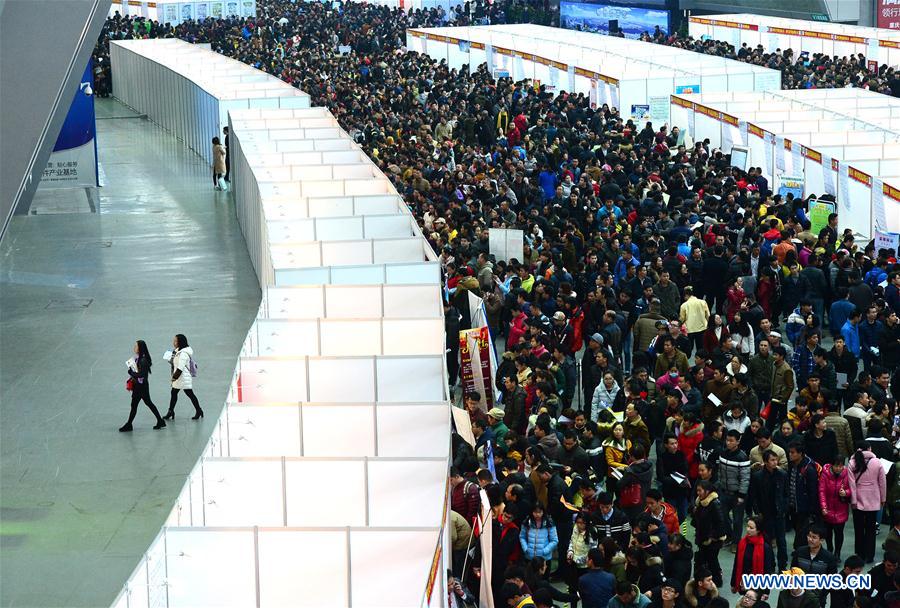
point(182, 380)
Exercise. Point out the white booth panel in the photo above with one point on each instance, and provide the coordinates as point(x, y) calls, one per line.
point(411, 301)
point(343, 505)
point(193, 553)
point(413, 336)
point(388, 226)
point(302, 276)
point(357, 275)
point(394, 376)
point(428, 273)
point(350, 338)
point(410, 553)
point(342, 380)
point(339, 228)
point(294, 338)
point(272, 380)
point(398, 250)
point(263, 430)
point(242, 493)
point(402, 482)
point(303, 568)
point(338, 430)
point(345, 253)
point(295, 302)
point(353, 302)
point(336, 206)
point(429, 439)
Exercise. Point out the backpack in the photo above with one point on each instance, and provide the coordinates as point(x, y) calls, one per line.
point(192, 367)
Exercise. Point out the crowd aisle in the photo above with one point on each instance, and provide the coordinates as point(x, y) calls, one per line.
point(695, 382)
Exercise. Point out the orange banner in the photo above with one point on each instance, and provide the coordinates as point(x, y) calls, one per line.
point(890, 191)
point(860, 176)
point(812, 155)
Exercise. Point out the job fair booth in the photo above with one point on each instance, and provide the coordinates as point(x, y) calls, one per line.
point(813, 150)
point(876, 44)
point(189, 90)
point(324, 482)
point(636, 77)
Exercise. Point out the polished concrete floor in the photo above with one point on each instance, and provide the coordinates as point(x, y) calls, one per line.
point(154, 252)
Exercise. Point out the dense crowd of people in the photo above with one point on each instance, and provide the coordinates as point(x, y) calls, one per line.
point(799, 70)
point(680, 344)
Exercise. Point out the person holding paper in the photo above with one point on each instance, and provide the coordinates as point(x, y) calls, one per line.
point(182, 380)
point(139, 370)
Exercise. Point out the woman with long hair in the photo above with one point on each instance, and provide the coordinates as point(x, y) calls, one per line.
point(868, 493)
point(583, 540)
point(753, 556)
point(616, 448)
point(716, 331)
point(538, 535)
point(139, 372)
point(834, 499)
point(182, 380)
point(219, 165)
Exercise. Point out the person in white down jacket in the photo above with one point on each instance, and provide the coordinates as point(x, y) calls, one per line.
point(182, 380)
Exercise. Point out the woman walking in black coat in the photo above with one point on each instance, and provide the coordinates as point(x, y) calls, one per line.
point(712, 529)
point(138, 371)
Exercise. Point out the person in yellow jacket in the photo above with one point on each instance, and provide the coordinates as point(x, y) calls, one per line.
point(694, 315)
point(502, 121)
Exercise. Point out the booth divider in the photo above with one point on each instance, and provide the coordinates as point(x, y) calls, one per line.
point(348, 348)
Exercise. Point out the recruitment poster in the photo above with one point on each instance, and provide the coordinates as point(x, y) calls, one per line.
point(818, 215)
point(475, 364)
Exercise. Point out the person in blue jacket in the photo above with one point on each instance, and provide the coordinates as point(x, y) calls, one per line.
point(538, 535)
point(840, 311)
point(850, 332)
point(596, 586)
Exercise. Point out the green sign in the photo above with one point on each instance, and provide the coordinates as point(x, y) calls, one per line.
point(818, 215)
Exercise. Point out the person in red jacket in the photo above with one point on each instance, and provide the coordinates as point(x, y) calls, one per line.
point(834, 499)
point(690, 437)
point(465, 497)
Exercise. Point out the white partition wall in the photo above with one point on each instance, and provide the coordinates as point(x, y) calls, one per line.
point(831, 146)
point(188, 90)
point(877, 44)
point(636, 77)
point(324, 482)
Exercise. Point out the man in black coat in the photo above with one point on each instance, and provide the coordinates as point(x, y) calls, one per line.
point(768, 497)
point(611, 522)
point(715, 270)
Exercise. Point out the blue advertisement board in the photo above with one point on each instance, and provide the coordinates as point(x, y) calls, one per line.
point(595, 17)
point(73, 162)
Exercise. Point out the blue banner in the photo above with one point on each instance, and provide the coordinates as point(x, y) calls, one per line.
point(73, 163)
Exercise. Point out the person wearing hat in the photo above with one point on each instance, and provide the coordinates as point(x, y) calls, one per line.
point(562, 332)
point(495, 421)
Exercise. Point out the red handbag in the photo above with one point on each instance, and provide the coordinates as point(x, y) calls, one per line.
point(129, 384)
point(630, 495)
point(766, 411)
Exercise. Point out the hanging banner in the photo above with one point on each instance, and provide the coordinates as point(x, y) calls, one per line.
point(594, 94)
point(818, 214)
point(828, 174)
point(879, 220)
point(475, 364)
point(844, 187)
point(486, 539)
point(796, 158)
point(769, 147)
point(779, 153)
point(659, 109)
point(73, 162)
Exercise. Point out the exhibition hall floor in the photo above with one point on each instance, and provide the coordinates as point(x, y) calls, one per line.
point(154, 252)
